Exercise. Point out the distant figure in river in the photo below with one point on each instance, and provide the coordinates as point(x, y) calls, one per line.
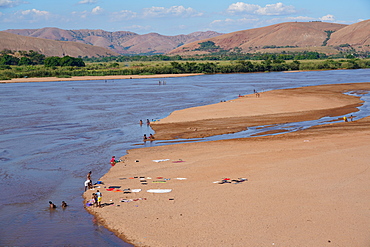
point(145, 138)
point(88, 176)
point(151, 136)
point(52, 205)
point(141, 122)
point(351, 117)
point(64, 204)
point(345, 119)
point(148, 122)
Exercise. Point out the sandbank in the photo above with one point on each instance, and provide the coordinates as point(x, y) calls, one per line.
point(306, 188)
point(88, 78)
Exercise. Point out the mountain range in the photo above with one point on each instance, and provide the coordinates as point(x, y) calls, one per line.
point(123, 42)
point(318, 36)
point(329, 38)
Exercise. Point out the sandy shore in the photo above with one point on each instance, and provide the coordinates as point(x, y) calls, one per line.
point(307, 188)
point(88, 78)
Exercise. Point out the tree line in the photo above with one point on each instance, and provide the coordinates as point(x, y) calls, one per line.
point(8, 57)
point(176, 67)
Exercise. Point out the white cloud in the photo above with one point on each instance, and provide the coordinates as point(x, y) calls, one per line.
point(269, 9)
point(97, 10)
point(32, 15)
point(276, 9)
point(35, 12)
point(138, 28)
point(232, 22)
point(179, 11)
point(123, 15)
point(10, 3)
point(327, 18)
point(299, 18)
point(87, 2)
point(242, 7)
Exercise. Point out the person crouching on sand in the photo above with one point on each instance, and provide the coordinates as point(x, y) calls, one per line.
point(113, 161)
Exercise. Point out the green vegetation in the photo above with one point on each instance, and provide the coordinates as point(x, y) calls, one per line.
point(209, 46)
point(179, 67)
point(328, 33)
point(31, 64)
point(63, 61)
point(274, 46)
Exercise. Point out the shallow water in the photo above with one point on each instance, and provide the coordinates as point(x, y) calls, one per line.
point(53, 133)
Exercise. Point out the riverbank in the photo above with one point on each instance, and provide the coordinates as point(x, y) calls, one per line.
point(305, 188)
point(87, 78)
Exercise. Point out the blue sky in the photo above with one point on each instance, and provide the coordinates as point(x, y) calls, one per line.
point(173, 17)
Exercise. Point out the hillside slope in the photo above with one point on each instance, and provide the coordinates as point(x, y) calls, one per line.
point(294, 34)
point(122, 42)
point(51, 47)
point(356, 35)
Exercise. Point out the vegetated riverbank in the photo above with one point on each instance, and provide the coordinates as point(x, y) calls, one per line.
point(303, 188)
point(177, 67)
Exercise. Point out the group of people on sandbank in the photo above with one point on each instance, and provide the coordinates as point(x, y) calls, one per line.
point(345, 119)
point(97, 196)
point(95, 199)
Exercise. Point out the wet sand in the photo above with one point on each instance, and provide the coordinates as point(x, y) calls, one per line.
point(306, 188)
point(87, 78)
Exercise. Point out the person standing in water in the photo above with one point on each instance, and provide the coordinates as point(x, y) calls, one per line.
point(52, 205)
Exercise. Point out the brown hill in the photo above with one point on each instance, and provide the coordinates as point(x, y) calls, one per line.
point(356, 35)
point(122, 42)
point(48, 47)
point(293, 34)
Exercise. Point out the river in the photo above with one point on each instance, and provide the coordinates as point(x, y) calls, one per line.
point(53, 133)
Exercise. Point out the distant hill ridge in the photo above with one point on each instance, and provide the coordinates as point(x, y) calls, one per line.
point(123, 42)
point(329, 38)
point(49, 47)
point(323, 37)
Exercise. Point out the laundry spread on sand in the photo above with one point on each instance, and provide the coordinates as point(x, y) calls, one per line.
point(159, 190)
point(178, 161)
point(229, 181)
point(132, 200)
point(161, 160)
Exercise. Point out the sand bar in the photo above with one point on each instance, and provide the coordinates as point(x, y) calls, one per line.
point(88, 78)
point(306, 188)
